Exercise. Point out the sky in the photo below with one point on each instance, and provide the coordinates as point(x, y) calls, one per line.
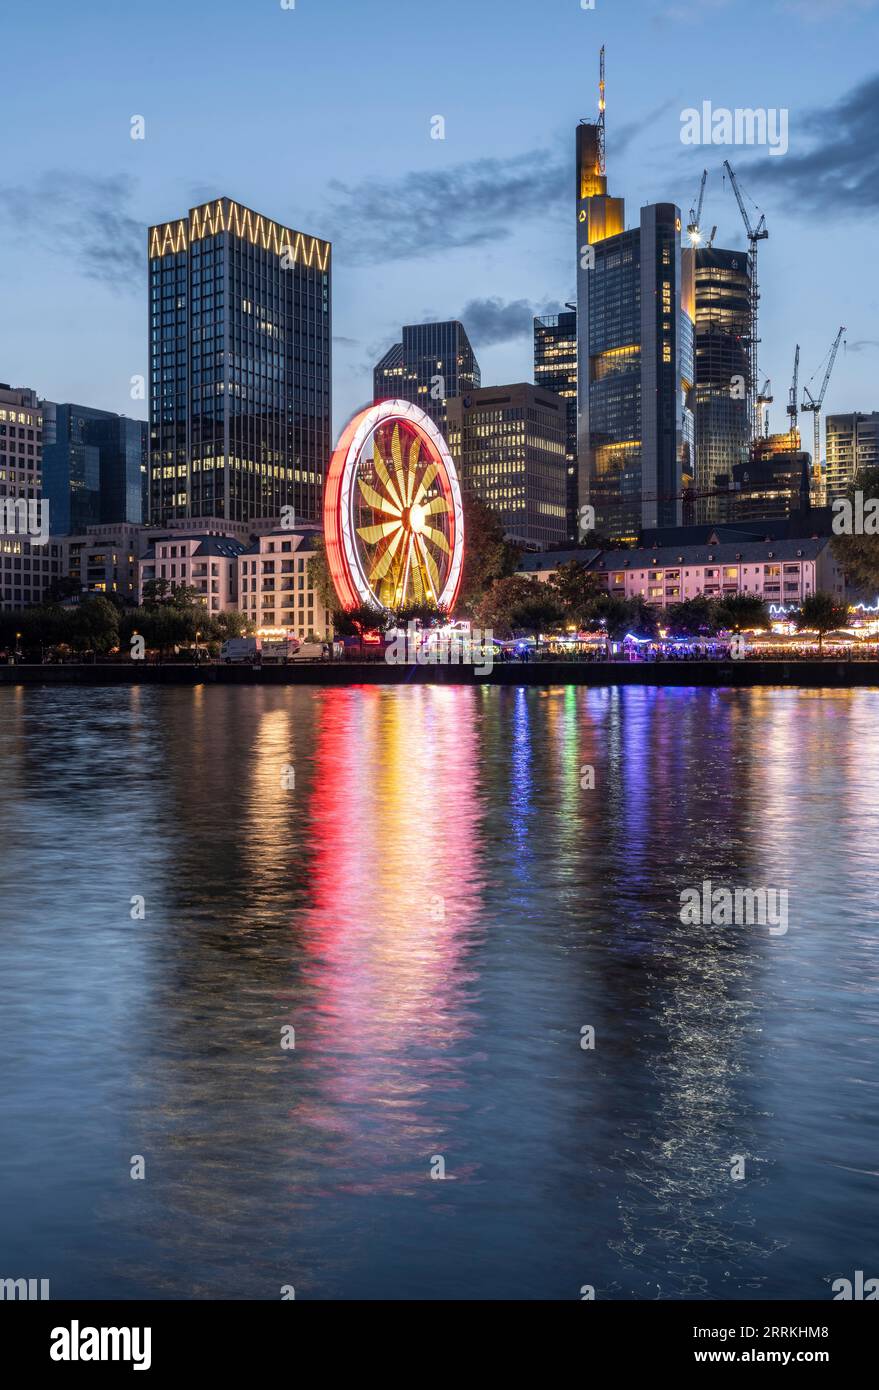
point(320, 113)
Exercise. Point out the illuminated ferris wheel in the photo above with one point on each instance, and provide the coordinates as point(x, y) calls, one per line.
point(393, 519)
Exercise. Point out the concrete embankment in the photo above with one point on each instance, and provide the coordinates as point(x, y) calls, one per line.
point(539, 673)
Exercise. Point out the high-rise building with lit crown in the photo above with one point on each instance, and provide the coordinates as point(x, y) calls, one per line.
point(635, 341)
point(240, 366)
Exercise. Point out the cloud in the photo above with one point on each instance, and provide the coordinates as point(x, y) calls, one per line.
point(468, 205)
point(491, 321)
point(85, 219)
point(621, 137)
point(862, 345)
point(839, 173)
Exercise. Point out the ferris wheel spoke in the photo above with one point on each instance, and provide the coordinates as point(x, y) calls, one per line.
point(427, 478)
point(399, 467)
point(431, 568)
point(414, 460)
point(383, 564)
point(371, 534)
point(437, 538)
point(409, 539)
point(381, 469)
point(376, 501)
point(437, 504)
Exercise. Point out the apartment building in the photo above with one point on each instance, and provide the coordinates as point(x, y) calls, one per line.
point(274, 585)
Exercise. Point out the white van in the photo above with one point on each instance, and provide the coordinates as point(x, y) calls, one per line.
point(239, 649)
point(311, 651)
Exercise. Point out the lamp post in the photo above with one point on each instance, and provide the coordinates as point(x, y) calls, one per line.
point(197, 649)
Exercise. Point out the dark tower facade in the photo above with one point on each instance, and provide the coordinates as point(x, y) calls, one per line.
point(434, 363)
point(723, 385)
point(555, 369)
point(240, 366)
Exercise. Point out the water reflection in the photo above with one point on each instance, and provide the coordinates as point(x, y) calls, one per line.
point(437, 903)
point(396, 893)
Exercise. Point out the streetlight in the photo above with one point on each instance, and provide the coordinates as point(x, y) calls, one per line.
point(197, 653)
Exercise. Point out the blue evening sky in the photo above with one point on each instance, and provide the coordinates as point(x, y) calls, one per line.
point(320, 116)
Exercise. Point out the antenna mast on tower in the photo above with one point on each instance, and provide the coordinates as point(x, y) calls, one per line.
point(601, 163)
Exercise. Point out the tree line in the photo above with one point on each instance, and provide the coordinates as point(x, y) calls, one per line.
point(169, 617)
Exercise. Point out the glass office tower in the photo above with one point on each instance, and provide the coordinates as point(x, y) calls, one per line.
point(433, 363)
point(508, 443)
point(635, 376)
point(94, 467)
point(555, 368)
point(635, 352)
point(723, 326)
point(240, 366)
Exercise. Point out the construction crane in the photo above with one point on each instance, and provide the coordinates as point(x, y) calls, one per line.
point(792, 406)
point(694, 226)
point(764, 400)
point(814, 403)
point(755, 236)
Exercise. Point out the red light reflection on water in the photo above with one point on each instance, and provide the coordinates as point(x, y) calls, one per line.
point(395, 903)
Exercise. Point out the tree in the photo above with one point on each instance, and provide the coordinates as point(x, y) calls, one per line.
point(610, 612)
point(859, 554)
point(48, 625)
point(577, 588)
point(693, 617)
point(162, 626)
point(428, 613)
point(64, 586)
point(539, 612)
point(354, 622)
point(231, 623)
point(319, 575)
point(187, 596)
point(821, 613)
point(93, 625)
point(488, 555)
point(156, 591)
point(738, 611)
point(516, 603)
point(643, 620)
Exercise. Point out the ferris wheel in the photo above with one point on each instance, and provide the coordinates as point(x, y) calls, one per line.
point(393, 517)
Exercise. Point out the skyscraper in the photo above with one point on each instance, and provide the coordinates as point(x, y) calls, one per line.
point(723, 300)
point(240, 366)
point(509, 446)
point(30, 560)
point(635, 369)
point(433, 363)
point(555, 369)
point(852, 444)
point(94, 467)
